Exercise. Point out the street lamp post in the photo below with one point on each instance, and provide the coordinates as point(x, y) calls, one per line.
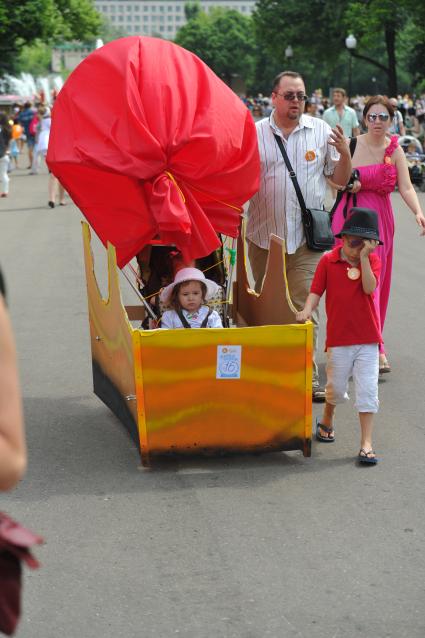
point(289, 53)
point(350, 43)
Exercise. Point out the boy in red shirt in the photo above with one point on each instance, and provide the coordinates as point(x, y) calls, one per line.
point(349, 274)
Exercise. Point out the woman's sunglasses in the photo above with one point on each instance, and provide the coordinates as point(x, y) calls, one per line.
point(383, 117)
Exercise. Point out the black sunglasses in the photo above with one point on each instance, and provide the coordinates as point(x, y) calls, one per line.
point(291, 96)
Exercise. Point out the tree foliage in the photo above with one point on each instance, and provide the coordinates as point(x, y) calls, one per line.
point(22, 22)
point(192, 10)
point(317, 34)
point(34, 58)
point(223, 39)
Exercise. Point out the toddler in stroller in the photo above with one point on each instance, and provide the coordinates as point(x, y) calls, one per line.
point(416, 163)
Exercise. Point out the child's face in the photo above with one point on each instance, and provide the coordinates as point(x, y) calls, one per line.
point(190, 295)
point(352, 246)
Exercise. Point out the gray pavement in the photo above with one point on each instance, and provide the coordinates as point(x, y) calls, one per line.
point(275, 545)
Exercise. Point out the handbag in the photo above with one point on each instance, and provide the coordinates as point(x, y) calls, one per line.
point(316, 221)
point(15, 544)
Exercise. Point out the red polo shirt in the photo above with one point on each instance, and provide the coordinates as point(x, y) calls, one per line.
point(351, 313)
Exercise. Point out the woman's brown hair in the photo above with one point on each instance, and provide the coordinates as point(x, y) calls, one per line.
point(378, 99)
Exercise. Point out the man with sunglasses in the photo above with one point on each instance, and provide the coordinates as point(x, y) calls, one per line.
point(315, 151)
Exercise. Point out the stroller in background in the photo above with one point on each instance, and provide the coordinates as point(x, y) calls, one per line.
point(415, 157)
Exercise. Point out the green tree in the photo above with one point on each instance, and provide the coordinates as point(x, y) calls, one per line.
point(192, 10)
point(22, 22)
point(317, 35)
point(223, 39)
point(314, 33)
point(34, 58)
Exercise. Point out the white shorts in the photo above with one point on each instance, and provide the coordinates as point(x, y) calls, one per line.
point(361, 361)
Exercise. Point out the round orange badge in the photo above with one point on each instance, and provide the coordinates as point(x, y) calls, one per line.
point(310, 156)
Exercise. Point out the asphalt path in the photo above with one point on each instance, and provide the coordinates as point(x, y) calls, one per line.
point(247, 547)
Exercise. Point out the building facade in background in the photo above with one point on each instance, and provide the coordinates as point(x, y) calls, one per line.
point(159, 17)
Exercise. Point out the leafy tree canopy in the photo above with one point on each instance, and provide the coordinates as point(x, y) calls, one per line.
point(317, 35)
point(223, 39)
point(25, 21)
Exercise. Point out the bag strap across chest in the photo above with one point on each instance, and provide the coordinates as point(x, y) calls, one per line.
point(291, 172)
point(185, 322)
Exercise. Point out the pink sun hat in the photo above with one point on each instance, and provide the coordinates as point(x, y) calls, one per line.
point(189, 274)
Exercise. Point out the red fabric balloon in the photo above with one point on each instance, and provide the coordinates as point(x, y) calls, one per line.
point(149, 142)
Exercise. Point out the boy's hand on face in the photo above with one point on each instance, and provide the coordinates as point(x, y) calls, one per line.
point(369, 246)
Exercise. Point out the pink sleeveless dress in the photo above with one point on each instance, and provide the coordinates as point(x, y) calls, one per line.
point(378, 181)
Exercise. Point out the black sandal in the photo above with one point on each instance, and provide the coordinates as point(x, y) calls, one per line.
point(328, 430)
point(365, 458)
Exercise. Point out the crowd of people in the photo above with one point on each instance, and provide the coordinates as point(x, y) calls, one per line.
point(27, 128)
point(409, 118)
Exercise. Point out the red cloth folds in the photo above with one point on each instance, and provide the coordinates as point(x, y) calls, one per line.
point(149, 142)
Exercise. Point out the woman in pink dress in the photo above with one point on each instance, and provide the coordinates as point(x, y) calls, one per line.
point(380, 164)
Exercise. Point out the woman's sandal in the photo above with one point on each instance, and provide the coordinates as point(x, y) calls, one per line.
point(384, 366)
point(324, 428)
point(365, 458)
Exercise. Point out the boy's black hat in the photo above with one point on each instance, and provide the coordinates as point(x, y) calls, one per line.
point(361, 222)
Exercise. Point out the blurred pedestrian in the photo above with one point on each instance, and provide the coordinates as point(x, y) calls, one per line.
point(5, 136)
point(42, 137)
point(342, 114)
point(397, 125)
point(55, 188)
point(25, 118)
point(17, 132)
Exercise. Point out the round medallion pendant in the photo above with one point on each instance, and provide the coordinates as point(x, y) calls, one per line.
point(353, 273)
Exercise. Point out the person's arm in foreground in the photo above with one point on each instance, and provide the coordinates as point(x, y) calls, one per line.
point(13, 455)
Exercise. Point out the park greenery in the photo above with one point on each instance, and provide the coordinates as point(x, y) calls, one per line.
point(388, 56)
point(33, 22)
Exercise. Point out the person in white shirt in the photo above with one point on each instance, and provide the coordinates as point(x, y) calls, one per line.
point(186, 296)
point(397, 126)
point(315, 151)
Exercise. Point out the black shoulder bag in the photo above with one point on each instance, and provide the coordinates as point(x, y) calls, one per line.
point(316, 222)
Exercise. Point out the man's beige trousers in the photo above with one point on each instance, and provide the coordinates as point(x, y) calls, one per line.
point(300, 269)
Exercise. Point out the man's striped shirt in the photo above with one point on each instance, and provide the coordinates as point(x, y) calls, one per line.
point(275, 208)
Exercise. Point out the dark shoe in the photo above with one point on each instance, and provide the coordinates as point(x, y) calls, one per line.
point(365, 458)
point(329, 431)
point(318, 395)
point(384, 366)
point(52, 204)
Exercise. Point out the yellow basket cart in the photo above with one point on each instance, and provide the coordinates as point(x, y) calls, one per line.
point(215, 391)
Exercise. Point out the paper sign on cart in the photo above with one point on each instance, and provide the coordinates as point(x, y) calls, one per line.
point(229, 362)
